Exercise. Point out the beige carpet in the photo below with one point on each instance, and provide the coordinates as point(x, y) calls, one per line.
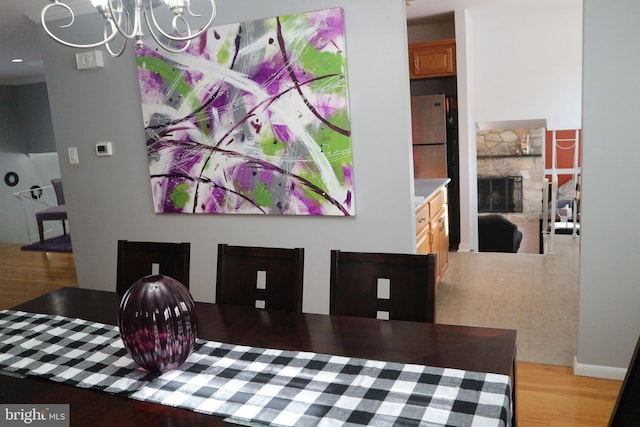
point(535, 294)
point(530, 241)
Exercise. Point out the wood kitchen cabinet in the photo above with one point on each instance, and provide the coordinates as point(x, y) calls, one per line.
point(432, 59)
point(423, 229)
point(440, 228)
point(432, 228)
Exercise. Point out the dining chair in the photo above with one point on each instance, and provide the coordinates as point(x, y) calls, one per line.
point(260, 277)
point(388, 286)
point(626, 412)
point(139, 259)
point(53, 213)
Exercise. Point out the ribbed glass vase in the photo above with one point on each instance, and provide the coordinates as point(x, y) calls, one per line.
point(157, 323)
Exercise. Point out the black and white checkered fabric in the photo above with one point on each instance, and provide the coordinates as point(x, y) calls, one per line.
point(266, 386)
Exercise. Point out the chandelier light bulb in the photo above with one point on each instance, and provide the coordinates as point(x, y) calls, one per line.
point(177, 6)
point(99, 3)
point(101, 7)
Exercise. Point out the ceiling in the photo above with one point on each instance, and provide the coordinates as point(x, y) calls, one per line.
point(19, 34)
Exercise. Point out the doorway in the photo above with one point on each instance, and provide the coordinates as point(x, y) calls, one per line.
point(510, 176)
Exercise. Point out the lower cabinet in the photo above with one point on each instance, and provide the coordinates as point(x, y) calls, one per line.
point(440, 228)
point(432, 229)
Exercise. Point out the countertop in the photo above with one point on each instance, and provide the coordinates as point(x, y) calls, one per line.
point(425, 188)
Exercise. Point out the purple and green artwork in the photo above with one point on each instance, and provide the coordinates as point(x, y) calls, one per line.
point(252, 119)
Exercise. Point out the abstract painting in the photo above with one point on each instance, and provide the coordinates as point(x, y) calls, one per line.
point(253, 118)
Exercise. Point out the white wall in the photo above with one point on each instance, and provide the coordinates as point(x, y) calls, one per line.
point(528, 65)
point(609, 322)
point(466, 134)
point(109, 198)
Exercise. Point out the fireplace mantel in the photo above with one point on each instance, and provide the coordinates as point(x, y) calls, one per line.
point(507, 156)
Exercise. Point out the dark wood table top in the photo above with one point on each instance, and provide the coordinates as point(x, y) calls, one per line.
point(468, 348)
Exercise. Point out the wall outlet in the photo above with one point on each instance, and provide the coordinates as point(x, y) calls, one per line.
point(89, 60)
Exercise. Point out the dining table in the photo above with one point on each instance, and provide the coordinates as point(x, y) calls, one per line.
point(483, 357)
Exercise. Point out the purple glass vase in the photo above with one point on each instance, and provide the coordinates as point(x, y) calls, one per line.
point(157, 323)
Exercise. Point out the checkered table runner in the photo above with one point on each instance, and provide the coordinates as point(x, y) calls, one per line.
point(265, 386)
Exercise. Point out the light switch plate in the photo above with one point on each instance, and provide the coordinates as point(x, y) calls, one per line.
point(90, 60)
point(73, 155)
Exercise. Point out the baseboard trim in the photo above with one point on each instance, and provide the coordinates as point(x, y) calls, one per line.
point(598, 371)
point(464, 247)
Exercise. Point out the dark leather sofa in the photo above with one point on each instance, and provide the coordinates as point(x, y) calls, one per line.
point(497, 234)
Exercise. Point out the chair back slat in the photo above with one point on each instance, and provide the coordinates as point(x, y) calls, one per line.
point(383, 285)
point(53, 213)
point(260, 277)
point(57, 188)
point(137, 259)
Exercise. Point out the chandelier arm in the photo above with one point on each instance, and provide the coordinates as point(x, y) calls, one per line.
point(121, 13)
point(107, 46)
point(189, 35)
point(113, 53)
point(43, 20)
point(164, 45)
point(197, 14)
point(72, 16)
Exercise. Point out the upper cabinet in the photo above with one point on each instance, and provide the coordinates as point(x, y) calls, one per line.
point(432, 59)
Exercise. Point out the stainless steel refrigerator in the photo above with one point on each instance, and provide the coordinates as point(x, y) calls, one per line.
point(435, 149)
point(429, 131)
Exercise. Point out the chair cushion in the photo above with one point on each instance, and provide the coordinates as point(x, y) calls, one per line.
point(53, 213)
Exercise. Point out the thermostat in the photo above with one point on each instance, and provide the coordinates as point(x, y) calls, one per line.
point(103, 149)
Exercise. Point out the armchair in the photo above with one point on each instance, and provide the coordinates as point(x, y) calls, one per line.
point(497, 234)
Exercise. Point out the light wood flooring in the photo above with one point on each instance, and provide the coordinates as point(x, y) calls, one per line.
point(27, 274)
point(546, 395)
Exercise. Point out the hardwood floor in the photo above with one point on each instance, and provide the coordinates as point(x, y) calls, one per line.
point(546, 395)
point(550, 395)
point(25, 275)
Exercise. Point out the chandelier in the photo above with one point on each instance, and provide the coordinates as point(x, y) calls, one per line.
point(125, 17)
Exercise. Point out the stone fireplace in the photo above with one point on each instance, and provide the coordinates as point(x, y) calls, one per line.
point(510, 172)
